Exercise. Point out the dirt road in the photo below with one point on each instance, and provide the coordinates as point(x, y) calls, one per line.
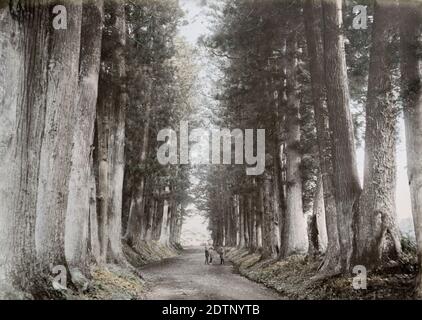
point(187, 277)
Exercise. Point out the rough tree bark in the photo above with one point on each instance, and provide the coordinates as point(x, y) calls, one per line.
point(345, 177)
point(111, 132)
point(54, 169)
point(376, 223)
point(20, 139)
point(56, 150)
point(294, 237)
point(259, 216)
point(246, 215)
point(150, 222)
point(317, 233)
point(237, 220)
point(240, 210)
point(47, 63)
point(137, 206)
point(80, 200)
point(277, 200)
point(268, 239)
point(314, 45)
point(411, 86)
point(165, 235)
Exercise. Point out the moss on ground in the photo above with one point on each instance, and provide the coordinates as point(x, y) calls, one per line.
point(149, 251)
point(293, 278)
point(115, 283)
point(112, 282)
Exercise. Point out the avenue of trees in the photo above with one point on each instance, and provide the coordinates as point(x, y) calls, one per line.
point(80, 105)
point(297, 69)
point(83, 97)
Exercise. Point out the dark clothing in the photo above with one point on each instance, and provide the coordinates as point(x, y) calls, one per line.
point(221, 258)
point(221, 253)
point(207, 256)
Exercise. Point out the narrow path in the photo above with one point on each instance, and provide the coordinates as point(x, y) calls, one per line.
point(187, 277)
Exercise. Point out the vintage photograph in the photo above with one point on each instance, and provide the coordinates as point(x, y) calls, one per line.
point(211, 150)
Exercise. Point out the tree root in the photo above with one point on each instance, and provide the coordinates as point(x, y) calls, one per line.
point(418, 287)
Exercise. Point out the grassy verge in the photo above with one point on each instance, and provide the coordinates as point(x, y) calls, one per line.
point(149, 251)
point(113, 282)
point(292, 277)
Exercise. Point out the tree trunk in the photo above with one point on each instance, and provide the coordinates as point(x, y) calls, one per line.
point(241, 222)
point(117, 140)
point(254, 224)
point(164, 235)
point(317, 232)
point(150, 221)
point(21, 68)
point(411, 80)
point(237, 219)
point(111, 132)
point(316, 63)
point(136, 213)
point(159, 219)
point(246, 212)
point(294, 235)
point(345, 177)
point(179, 225)
point(259, 217)
point(37, 134)
point(173, 221)
point(376, 222)
point(94, 241)
point(56, 148)
point(277, 215)
point(80, 185)
point(268, 245)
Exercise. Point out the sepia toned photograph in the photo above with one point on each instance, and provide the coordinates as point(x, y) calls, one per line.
point(211, 150)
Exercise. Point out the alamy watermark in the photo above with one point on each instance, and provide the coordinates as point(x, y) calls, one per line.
point(360, 20)
point(175, 149)
point(359, 281)
point(60, 18)
point(59, 281)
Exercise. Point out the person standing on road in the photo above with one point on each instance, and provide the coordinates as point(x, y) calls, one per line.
point(207, 255)
point(211, 254)
point(221, 253)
